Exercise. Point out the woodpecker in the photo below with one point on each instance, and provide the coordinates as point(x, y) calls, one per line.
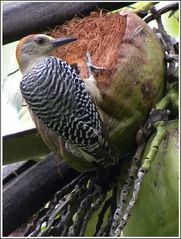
point(58, 99)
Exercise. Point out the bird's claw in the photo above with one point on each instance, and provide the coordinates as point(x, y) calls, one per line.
point(92, 68)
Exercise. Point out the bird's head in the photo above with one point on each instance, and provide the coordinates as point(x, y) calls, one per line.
point(34, 48)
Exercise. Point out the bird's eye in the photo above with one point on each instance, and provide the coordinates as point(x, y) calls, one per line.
point(40, 40)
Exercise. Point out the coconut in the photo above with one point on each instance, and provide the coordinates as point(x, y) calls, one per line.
point(133, 80)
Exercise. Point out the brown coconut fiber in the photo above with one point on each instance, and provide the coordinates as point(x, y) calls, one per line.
point(101, 35)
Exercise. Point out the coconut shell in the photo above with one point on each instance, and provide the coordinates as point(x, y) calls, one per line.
point(134, 60)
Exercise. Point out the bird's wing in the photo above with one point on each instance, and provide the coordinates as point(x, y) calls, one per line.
point(57, 96)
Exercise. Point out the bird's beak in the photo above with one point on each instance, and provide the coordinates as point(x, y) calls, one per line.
point(62, 41)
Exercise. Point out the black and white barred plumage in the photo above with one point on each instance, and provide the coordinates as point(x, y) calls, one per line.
point(57, 96)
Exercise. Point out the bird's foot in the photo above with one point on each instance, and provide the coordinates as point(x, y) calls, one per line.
point(92, 68)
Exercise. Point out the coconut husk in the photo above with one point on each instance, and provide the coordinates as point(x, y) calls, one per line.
point(134, 80)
